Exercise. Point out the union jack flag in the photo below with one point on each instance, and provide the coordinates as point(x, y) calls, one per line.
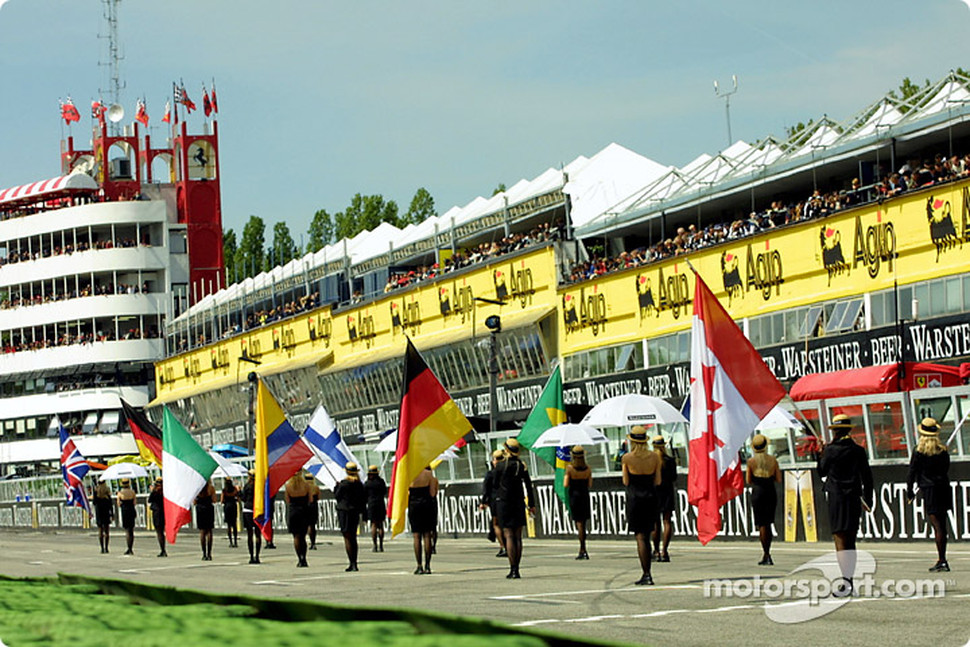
point(73, 469)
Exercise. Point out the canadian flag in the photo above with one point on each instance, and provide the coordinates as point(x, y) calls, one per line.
point(731, 391)
point(69, 111)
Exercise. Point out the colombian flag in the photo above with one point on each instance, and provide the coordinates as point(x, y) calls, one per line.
point(279, 455)
point(147, 435)
point(430, 423)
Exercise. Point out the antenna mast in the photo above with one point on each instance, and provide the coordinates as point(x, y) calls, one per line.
point(115, 84)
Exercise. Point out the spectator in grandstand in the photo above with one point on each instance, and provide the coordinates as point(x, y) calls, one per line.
point(929, 468)
point(848, 485)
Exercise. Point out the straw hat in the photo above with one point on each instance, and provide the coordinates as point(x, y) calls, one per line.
point(658, 441)
point(929, 427)
point(498, 454)
point(512, 446)
point(841, 421)
point(759, 443)
point(372, 469)
point(351, 468)
point(577, 450)
point(638, 434)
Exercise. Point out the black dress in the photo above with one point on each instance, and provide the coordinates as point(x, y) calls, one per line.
point(932, 474)
point(764, 499)
point(351, 502)
point(313, 510)
point(641, 503)
point(156, 503)
point(512, 484)
point(248, 495)
point(376, 490)
point(230, 507)
point(422, 511)
point(297, 516)
point(579, 495)
point(848, 481)
point(205, 511)
point(103, 511)
point(667, 491)
point(128, 513)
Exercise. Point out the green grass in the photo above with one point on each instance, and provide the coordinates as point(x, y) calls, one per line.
point(80, 611)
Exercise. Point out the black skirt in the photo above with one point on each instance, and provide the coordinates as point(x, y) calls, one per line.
point(248, 520)
point(102, 512)
point(297, 517)
point(845, 511)
point(422, 510)
point(128, 514)
point(348, 520)
point(936, 499)
point(641, 504)
point(377, 512)
point(205, 516)
point(764, 500)
point(230, 512)
point(579, 508)
point(666, 498)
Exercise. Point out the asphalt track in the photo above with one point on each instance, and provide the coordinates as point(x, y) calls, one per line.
point(593, 599)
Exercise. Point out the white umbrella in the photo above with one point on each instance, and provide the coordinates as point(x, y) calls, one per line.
point(388, 444)
point(632, 409)
point(778, 418)
point(227, 469)
point(569, 433)
point(123, 471)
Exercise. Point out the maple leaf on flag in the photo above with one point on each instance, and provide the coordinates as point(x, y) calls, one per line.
point(141, 114)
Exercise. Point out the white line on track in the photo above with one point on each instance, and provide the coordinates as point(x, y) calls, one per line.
point(173, 567)
point(735, 607)
point(526, 596)
point(297, 581)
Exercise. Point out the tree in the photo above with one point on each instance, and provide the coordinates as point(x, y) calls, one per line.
point(321, 231)
point(364, 213)
point(791, 131)
point(229, 255)
point(422, 208)
point(251, 251)
point(907, 89)
point(283, 249)
point(499, 189)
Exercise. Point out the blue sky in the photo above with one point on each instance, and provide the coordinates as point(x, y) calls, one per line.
point(321, 100)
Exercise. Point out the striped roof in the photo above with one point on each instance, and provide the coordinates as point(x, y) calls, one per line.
point(30, 192)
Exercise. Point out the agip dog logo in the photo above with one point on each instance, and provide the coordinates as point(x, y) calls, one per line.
point(830, 241)
point(731, 276)
point(943, 231)
point(645, 300)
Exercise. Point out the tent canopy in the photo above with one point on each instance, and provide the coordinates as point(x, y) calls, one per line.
point(877, 379)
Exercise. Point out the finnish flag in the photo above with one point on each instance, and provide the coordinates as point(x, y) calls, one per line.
point(330, 453)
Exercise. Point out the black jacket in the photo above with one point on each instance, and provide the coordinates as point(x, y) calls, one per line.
point(846, 468)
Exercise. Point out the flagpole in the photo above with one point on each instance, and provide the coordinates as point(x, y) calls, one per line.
point(957, 428)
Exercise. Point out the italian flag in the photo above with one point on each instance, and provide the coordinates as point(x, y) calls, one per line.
point(185, 469)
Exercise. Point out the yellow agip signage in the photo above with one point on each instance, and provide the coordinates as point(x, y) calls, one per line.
point(284, 345)
point(448, 309)
point(916, 237)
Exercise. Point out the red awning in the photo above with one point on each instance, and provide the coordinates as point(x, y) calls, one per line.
point(877, 379)
point(66, 184)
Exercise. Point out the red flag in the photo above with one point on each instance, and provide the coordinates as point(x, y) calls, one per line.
point(215, 106)
point(206, 104)
point(98, 109)
point(141, 114)
point(731, 391)
point(168, 113)
point(69, 112)
point(186, 101)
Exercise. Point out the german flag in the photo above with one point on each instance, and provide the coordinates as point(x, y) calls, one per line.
point(147, 435)
point(430, 422)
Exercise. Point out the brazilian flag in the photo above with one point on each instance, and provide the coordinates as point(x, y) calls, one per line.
point(548, 412)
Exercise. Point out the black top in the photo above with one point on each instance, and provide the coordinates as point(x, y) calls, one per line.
point(668, 472)
point(375, 489)
point(488, 488)
point(156, 501)
point(928, 471)
point(248, 495)
point(350, 496)
point(846, 468)
point(511, 475)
